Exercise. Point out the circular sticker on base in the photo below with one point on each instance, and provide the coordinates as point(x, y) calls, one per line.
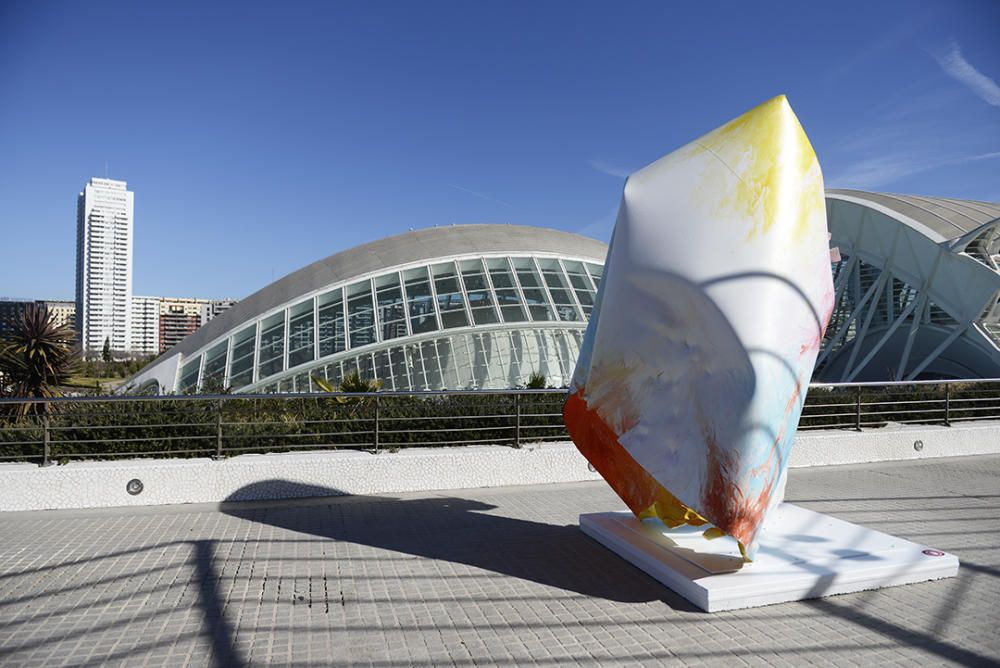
point(934, 553)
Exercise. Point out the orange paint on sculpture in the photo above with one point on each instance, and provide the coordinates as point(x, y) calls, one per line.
point(599, 445)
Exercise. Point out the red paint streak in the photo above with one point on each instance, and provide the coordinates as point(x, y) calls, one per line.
point(722, 498)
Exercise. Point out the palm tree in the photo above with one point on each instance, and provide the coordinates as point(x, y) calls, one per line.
point(38, 358)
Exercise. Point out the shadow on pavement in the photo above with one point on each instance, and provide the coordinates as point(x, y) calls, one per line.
point(459, 531)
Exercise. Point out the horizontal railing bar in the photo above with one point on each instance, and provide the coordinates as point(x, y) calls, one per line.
point(59, 455)
point(970, 417)
point(271, 423)
point(904, 403)
point(386, 418)
point(132, 426)
point(901, 412)
point(825, 415)
point(308, 433)
point(135, 440)
point(259, 423)
point(445, 429)
point(817, 405)
point(971, 400)
point(417, 444)
point(330, 446)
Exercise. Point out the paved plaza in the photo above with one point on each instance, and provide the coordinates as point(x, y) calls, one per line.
point(475, 577)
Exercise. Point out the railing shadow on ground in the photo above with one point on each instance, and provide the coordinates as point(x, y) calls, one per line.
point(462, 531)
point(588, 563)
point(445, 528)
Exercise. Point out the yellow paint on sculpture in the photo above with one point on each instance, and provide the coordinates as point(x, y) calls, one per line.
point(762, 147)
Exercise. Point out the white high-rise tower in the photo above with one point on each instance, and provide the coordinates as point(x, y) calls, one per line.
point(104, 266)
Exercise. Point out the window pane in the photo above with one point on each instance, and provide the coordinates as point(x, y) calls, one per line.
point(302, 383)
point(383, 371)
point(360, 314)
point(445, 277)
point(446, 285)
point(400, 372)
point(446, 358)
point(480, 298)
point(272, 345)
point(334, 374)
point(485, 316)
point(541, 312)
point(529, 279)
point(507, 296)
point(429, 353)
point(596, 271)
point(416, 366)
point(452, 319)
point(331, 323)
point(241, 367)
point(189, 375)
point(391, 310)
point(500, 273)
point(580, 282)
point(513, 313)
point(365, 367)
point(538, 304)
point(300, 333)
point(474, 282)
point(568, 313)
point(419, 300)
point(213, 375)
point(560, 296)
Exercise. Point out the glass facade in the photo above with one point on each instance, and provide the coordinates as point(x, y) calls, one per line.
point(494, 359)
point(467, 322)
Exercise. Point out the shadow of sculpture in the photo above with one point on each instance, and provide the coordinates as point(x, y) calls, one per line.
point(462, 531)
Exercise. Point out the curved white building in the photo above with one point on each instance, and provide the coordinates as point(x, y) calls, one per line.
point(484, 306)
point(467, 306)
point(917, 288)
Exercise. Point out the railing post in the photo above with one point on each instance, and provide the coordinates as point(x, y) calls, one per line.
point(218, 429)
point(947, 404)
point(857, 411)
point(376, 422)
point(517, 420)
point(46, 440)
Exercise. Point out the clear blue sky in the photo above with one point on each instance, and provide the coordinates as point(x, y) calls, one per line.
point(259, 137)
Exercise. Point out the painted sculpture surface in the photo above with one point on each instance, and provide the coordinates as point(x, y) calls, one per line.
point(716, 292)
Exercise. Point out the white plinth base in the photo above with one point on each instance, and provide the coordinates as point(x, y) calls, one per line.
point(803, 554)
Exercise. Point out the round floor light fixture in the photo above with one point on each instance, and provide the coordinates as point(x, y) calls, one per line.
point(134, 486)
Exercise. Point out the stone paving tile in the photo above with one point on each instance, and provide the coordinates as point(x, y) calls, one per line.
point(475, 577)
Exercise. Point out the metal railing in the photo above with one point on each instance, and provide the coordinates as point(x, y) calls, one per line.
point(48, 430)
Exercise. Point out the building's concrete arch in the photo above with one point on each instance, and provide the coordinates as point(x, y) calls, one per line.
point(917, 288)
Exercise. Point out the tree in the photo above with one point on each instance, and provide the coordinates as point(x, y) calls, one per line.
point(106, 353)
point(38, 358)
point(353, 382)
point(536, 381)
